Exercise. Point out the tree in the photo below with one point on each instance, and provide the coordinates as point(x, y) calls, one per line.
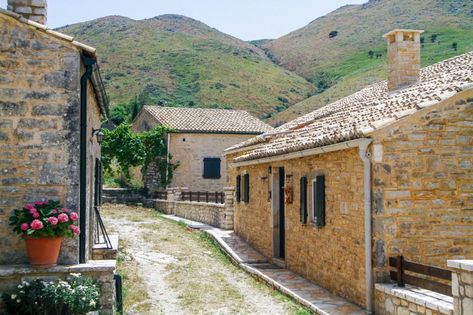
point(126, 149)
point(454, 46)
point(433, 38)
point(371, 54)
point(422, 39)
point(332, 34)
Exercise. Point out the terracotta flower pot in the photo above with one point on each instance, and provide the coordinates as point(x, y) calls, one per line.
point(43, 251)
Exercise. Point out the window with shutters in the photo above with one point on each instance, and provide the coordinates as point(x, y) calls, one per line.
point(238, 188)
point(211, 168)
point(303, 200)
point(318, 200)
point(246, 188)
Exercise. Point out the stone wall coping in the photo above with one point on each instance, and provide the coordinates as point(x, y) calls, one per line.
point(90, 266)
point(117, 189)
point(466, 265)
point(432, 300)
point(194, 203)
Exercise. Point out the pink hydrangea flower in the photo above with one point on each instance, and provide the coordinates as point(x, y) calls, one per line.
point(35, 215)
point(33, 210)
point(64, 210)
point(37, 225)
point(54, 210)
point(38, 202)
point(74, 216)
point(28, 206)
point(53, 220)
point(63, 217)
point(75, 229)
point(24, 226)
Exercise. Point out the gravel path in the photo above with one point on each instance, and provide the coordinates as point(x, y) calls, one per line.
point(177, 271)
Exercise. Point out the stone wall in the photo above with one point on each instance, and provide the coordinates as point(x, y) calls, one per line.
point(331, 256)
point(39, 127)
point(422, 186)
point(102, 271)
point(462, 286)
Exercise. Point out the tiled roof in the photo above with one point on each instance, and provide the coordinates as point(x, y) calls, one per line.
point(363, 112)
point(207, 120)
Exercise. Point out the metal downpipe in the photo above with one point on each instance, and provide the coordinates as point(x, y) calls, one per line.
point(88, 62)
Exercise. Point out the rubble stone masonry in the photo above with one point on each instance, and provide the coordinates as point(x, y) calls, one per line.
point(422, 186)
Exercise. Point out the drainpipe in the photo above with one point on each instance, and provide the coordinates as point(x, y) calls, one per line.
point(89, 63)
point(365, 157)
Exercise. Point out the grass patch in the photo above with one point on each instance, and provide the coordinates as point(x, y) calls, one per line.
point(293, 306)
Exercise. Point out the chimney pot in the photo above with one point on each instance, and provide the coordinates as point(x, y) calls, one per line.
point(35, 10)
point(403, 58)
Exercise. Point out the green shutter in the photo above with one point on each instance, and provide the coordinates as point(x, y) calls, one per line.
point(303, 200)
point(319, 198)
point(246, 184)
point(238, 188)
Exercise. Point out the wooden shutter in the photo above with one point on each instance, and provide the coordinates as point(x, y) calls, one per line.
point(303, 200)
point(238, 188)
point(319, 200)
point(246, 184)
point(211, 168)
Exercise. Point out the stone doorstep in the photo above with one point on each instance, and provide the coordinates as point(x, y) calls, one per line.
point(89, 267)
point(113, 241)
point(432, 300)
point(326, 305)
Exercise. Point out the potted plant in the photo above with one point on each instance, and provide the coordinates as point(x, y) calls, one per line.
point(43, 225)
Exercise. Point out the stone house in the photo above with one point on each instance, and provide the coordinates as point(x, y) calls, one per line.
point(197, 141)
point(385, 171)
point(52, 100)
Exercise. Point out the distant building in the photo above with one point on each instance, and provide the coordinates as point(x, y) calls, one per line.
point(47, 148)
point(197, 141)
point(383, 172)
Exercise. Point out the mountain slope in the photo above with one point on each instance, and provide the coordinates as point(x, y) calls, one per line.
point(332, 51)
point(178, 61)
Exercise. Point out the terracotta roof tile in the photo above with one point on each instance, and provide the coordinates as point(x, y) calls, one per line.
point(207, 120)
point(363, 112)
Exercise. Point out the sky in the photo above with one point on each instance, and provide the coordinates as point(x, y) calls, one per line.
point(245, 19)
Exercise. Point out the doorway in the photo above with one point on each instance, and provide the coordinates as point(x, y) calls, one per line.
point(279, 238)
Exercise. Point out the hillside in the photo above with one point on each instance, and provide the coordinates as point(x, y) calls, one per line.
point(178, 61)
point(332, 51)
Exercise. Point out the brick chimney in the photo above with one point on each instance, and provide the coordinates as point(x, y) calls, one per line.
point(35, 10)
point(403, 58)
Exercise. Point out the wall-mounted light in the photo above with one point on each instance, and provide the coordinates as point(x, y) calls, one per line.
point(99, 134)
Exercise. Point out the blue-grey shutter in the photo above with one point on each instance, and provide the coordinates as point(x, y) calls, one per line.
point(238, 188)
point(303, 200)
point(319, 199)
point(246, 184)
point(211, 168)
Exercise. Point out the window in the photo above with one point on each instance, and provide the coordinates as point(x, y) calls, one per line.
point(318, 200)
point(303, 200)
point(211, 168)
point(246, 188)
point(238, 188)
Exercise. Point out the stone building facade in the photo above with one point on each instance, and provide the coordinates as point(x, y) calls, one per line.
point(197, 134)
point(395, 173)
point(40, 125)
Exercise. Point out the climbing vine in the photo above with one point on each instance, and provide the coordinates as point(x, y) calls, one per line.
point(125, 149)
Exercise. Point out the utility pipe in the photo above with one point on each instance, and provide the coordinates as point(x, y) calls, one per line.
point(365, 157)
point(88, 63)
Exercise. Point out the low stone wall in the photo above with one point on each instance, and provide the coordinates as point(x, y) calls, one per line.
point(101, 270)
point(215, 214)
point(210, 213)
point(393, 300)
point(462, 286)
point(122, 195)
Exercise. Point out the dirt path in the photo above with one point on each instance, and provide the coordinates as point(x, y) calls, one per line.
point(168, 269)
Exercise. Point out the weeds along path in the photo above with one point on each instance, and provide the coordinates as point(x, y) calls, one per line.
point(168, 269)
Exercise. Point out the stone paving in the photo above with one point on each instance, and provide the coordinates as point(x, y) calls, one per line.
point(305, 292)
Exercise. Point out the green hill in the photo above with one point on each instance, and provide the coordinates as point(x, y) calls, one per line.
point(178, 61)
point(332, 52)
